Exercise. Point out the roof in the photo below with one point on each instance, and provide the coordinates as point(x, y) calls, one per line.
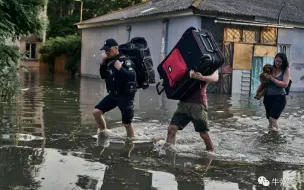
point(293, 12)
point(144, 9)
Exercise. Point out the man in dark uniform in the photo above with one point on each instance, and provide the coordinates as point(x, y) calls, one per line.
point(120, 77)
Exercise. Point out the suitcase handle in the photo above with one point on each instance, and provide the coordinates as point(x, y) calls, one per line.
point(157, 89)
point(210, 50)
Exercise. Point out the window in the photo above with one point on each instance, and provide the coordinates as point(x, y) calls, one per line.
point(249, 34)
point(30, 51)
point(233, 34)
point(285, 48)
point(269, 36)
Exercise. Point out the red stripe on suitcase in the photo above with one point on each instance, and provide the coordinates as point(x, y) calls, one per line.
point(175, 67)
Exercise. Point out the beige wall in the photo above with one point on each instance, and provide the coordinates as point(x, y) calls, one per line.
point(295, 39)
point(92, 40)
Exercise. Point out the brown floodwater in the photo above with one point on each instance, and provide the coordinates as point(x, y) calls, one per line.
point(47, 137)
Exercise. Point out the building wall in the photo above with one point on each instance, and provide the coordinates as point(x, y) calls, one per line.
point(152, 31)
point(92, 41)
point(177, 26)
point(295, 38)
point(23, 43)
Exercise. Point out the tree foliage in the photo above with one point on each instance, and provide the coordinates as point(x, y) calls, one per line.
point(18, 18)
point(63, 36)
point(63, 14)
point(97, 8)
point(69, 46)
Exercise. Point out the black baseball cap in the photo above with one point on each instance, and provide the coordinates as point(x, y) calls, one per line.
point(108, 44)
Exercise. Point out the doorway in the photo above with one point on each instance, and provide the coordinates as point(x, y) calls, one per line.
point(257, 68)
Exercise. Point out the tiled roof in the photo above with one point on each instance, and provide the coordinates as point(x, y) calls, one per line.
point(144, 9)
point(294, 11)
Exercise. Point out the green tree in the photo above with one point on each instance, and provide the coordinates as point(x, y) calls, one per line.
point(18, 18)
point(63, 14)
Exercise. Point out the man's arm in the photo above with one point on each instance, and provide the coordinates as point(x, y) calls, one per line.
point(102, 71)
point(211, 78)
point(127, 73)
point(103, 66)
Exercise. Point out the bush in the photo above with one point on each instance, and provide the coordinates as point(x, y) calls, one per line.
point(8, 72)
point(18, 18)
point(69, 46)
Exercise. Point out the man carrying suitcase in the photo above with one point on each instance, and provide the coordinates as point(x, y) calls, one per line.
point(120, 77)
point(194, 109)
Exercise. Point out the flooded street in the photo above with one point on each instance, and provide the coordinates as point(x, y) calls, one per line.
point(47, 142)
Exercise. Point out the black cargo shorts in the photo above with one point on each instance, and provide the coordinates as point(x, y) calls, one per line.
point(125, 104)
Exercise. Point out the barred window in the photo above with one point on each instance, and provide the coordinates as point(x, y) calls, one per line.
point(249, 34)
point(233, 35)
point(269, 36)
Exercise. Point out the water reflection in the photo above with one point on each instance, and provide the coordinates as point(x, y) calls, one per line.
point(48, 170)
point(18, 165)
point(49, 130)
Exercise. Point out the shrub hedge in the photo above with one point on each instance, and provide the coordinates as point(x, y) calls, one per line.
point(69, 46)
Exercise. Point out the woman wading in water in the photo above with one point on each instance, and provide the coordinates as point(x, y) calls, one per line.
point(275, 98)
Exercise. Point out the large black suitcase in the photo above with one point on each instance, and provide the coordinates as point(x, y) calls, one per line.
point(196, 50)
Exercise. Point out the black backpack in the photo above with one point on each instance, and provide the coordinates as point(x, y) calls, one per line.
point(138, 51)
point(287, 89)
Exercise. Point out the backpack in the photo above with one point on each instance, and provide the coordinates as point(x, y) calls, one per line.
point(288, 87)
point(138, 51)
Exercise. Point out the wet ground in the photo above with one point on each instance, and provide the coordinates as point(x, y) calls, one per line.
point(47, 142)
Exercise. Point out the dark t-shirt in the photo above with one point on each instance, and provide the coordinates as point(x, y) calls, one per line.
point(199, 96)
